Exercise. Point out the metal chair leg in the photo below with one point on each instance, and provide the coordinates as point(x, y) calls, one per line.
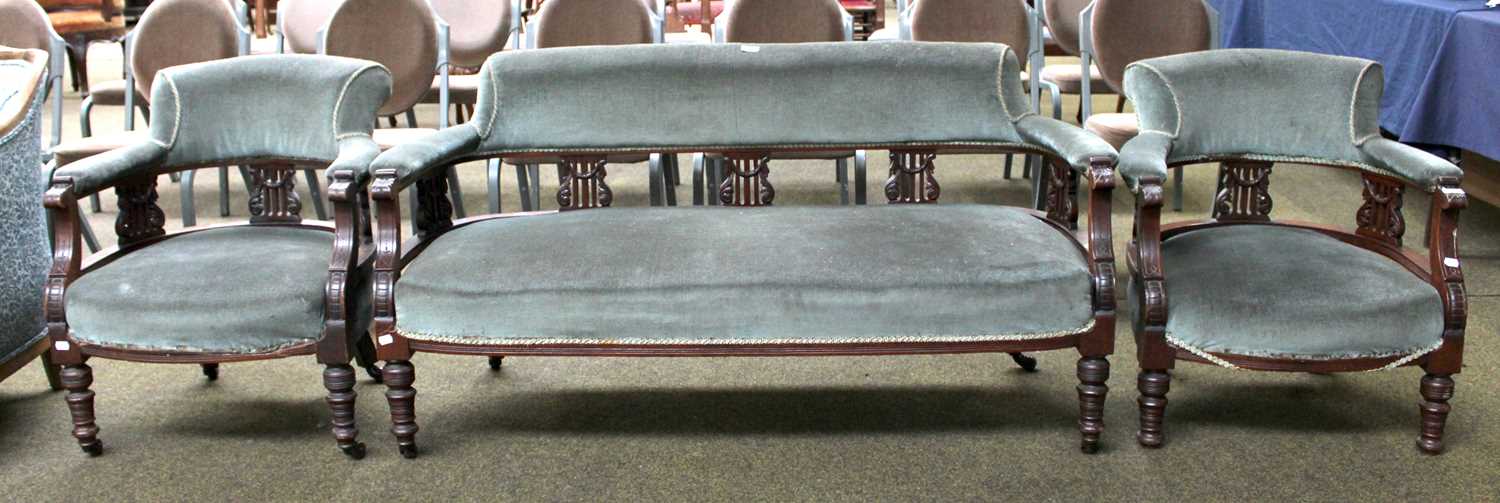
point(841, 173)
point(492, 175)
point(859, 176)
point(656, 179)
point(315, 189)
point(711, 185)
point(669, 178)
point(698, 180)
point(534, 171)
point(523, 187)
point(189, 214)
point(89, 239)
point(1006, 175)
point(411, 118)
point(223, 191)
point(1177, 190)
point(674, 176)
point(456, 193)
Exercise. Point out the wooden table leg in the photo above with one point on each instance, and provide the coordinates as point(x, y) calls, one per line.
point(262, 23)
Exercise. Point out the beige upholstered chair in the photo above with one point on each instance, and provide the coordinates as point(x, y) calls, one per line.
point(1062, 20)
point(27, 27)
point(298, 23)
point(573, 23)
point(81, 23)
point(1117, 33)
point(411, 41)
point(477, 29)
point(782, 22)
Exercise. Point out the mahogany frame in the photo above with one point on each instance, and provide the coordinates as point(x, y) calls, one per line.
point(274, 202)
point(1243, 200)
point(747, 185)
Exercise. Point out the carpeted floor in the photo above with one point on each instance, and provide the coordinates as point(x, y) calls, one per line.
point(969, 427)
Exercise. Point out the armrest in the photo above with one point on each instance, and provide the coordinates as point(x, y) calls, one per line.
point(1409, 163)
point(1066, 141)
point(1145, 158)
point(94, 173)
point(412, 161)
point(356, 153)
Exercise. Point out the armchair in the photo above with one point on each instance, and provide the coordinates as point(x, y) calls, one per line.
point(280, 286)
point(1240, 290)
point(23, 235)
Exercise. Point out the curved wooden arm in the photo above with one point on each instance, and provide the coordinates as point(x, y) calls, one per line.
point(333, 348)
point(386, 197)
point(1101, 177)
point(1149, 278)
point(62, 207)
point(1447, 273)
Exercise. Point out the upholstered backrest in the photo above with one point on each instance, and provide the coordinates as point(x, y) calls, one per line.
point(300, 20)
point(596, 99)
point(400, 34)
point(273, 106)
point(23, 238)
point(477, 28)
point(998, 21)
point(567, 23)
point(1126, 31)
point(1062, 20)
point(25, 25)
point(179, 32)
point(783, 21)
point(1277, 104)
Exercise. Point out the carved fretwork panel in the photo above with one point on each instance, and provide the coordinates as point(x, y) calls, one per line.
point(1062, 195)
point(748, 181)
point(912, 179)
point(1380, 216)
point(1243, 191)
point(140, 218)
point(582, 185)
point(273, 194)
point(434, 210)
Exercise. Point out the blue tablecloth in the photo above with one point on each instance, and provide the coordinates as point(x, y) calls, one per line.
point(1441, 57)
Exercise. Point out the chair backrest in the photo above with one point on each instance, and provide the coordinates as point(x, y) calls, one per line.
point(998, 21)
point(299, 21)
point(782, 96)
point(26, 26)
point(783, 21)
point(400, 34)
point(1126, 31)
point(265, 107)
point(1061, 17)
point(1282, 104)
point(567, 23)
point(477, 28)
point(23, 237)
point(179, 32)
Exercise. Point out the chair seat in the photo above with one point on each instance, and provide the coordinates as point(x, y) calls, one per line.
point(786, 275)
point(238, 290)
point(462, 89)
point(71, 22)
point(112, 93)
point(73, 150)
point(1116, 129)
point(1268, 291)
point(386, 138)
point(1069, 78)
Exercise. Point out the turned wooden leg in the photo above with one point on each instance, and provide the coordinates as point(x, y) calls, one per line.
point(339, 379)
point(1437, 389)
point(77, 379)
point(495, 362)
point(1092, 372)
point(1153, 402)
point(399, 376)
point(1026, 363)
point(54, 371)
point(211, 371)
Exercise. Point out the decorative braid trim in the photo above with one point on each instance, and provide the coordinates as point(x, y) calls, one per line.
point(186, 349)
point(546, 341)
point(1408, 358)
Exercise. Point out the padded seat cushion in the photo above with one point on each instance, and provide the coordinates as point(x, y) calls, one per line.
point(74, 150)
point(1116, 129)
point(1267, 291)
point(239, 290)
point(387, 138)
point(1069, 78)
point(462, 90)
point(85, 21)
point(748, 276)
point(112, 93)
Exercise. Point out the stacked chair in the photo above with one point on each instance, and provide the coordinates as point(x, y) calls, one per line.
point(23, 235)
point(188, 296)
point(81, 23)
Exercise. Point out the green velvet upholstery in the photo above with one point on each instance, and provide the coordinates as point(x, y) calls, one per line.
point(240, 109)
point(817, 96)
point(748, 275)
point(238, 290)
point(1270, 291)
point(24, 253)
point(1265, 104)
